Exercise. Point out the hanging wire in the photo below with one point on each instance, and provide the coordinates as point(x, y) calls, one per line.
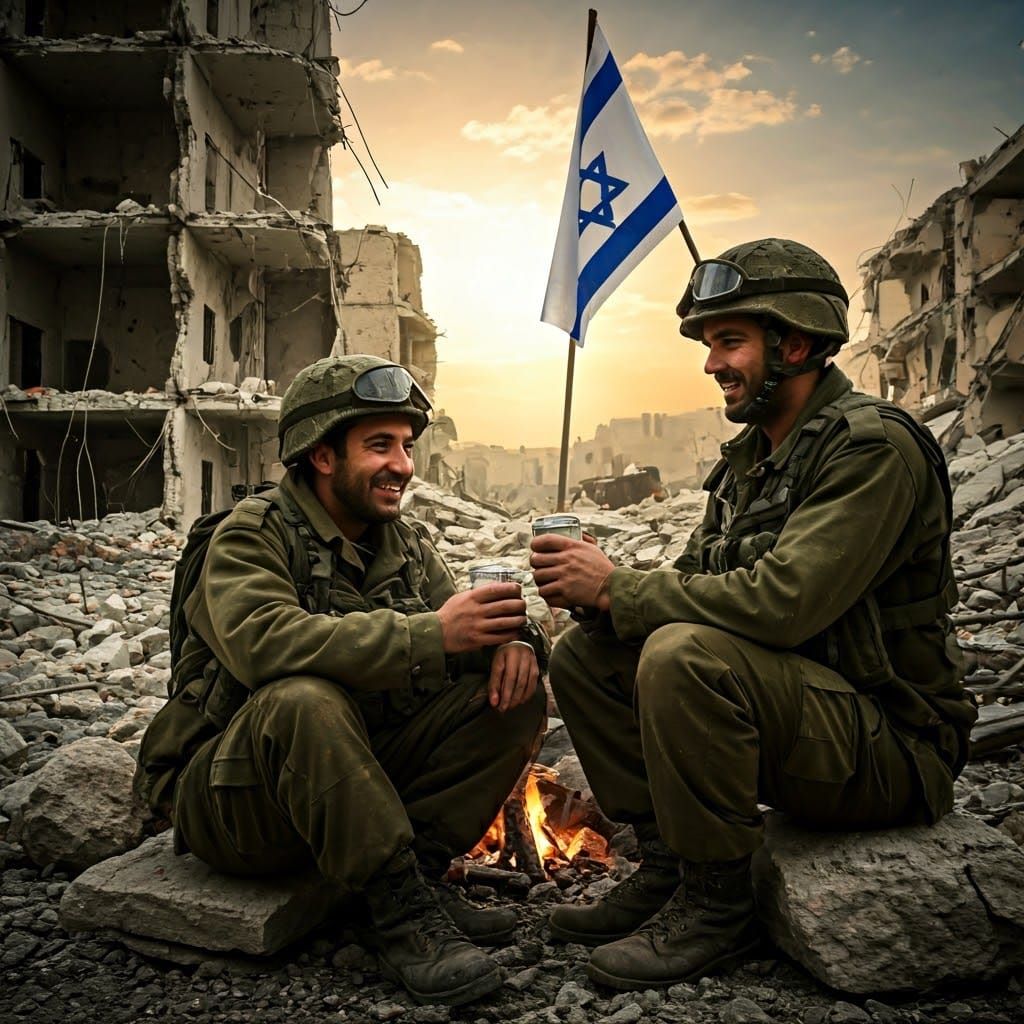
point(78, 398)
point(345, 14)
point(362, 135)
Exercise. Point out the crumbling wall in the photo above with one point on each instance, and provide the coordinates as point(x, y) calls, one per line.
point(299, 176)
point(32, 288)
point(27, 120)
point(218, 152)
point(300, 322)
point(112, 155)
point(136, 331)
point(300, 27)
point(218, 293)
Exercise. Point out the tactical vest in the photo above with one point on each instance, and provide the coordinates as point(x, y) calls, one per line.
point(861, 643)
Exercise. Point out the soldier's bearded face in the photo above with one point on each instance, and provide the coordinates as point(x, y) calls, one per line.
point(369, 481)
point(737, 358)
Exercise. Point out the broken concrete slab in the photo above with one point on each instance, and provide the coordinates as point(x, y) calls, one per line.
point(158, 896)
point(896, 910)
point(12, 746)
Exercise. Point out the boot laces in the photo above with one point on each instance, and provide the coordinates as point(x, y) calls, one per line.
point(640, 883)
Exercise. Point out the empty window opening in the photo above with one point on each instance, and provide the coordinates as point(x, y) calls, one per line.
point(947, 364)
point(35, 17)
point(212, 17)
point(211, 175)
point(30, 169)
point(31, 486)
point(209, 327)
point(76, 365)
point(206, 488)
point(26, 367)
point(924, 294)
point(235, 338)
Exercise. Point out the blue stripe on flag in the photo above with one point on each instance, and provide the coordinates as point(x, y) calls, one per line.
point(623, 240)
point(604, 83)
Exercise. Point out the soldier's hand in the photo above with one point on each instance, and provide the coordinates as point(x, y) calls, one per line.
point(570, 573)
point(514, 676)
point(484, 617)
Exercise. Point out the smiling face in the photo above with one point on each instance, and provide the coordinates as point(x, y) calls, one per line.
point(737, 358)
point(365, 485)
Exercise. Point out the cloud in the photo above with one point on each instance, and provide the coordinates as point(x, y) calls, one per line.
point(376, 70)
point(652, 77)
point(527, 132)
point(718, 207)
point(675, 95)
point(844, 60)
point(451, 45)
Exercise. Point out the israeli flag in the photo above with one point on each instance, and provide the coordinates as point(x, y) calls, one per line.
point(618, 203)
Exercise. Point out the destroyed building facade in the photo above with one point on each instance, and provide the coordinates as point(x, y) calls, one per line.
point(945, 298)
point(166, 248)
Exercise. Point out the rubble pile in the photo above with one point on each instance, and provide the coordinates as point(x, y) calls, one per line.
point(84, 665)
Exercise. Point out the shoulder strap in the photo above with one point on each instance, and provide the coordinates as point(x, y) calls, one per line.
point(310, 561)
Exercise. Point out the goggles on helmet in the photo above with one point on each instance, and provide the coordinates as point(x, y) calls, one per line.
point(714, 280)
point(390, 385)
point(384, 385)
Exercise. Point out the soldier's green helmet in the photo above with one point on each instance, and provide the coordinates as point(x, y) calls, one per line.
point(340, 388)
point(772, 277)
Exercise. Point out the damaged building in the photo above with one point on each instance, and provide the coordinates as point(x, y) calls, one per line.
point(168, 259)
point(946, 303)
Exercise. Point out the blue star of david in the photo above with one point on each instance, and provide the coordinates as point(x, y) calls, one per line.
point(611, 188)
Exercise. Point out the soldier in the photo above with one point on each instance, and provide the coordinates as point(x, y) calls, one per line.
point(336, 700)
point(798, 653)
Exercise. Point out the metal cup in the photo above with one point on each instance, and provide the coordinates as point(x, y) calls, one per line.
point(561, 523)
point(482, 575)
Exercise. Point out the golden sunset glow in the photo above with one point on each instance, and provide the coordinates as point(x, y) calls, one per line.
point(824, 123)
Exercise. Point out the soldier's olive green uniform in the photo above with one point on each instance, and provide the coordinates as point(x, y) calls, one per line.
point(339, 737)
point(797, 654)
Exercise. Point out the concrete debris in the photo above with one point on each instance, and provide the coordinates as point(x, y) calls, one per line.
point(896, 910)
point(79, 808)
point(153, 893)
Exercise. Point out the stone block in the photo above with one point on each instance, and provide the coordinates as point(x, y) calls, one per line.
point(897, 910)
point(152, 893)
point(111, 653)
point(12, 746)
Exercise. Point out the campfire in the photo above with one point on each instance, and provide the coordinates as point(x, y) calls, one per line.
point(543, 829)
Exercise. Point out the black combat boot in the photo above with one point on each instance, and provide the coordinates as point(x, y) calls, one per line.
point(418, 945)
point(623, 909)
point(485, 926)
point(708, 925)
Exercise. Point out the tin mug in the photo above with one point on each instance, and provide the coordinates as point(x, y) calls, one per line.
point(562, 523)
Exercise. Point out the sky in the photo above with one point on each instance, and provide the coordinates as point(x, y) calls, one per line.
point(827, 123)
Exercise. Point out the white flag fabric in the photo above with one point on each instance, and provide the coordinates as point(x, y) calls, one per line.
point(618, 203)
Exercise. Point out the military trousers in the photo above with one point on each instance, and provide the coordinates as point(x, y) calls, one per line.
point(687, 735)
point(297, 778)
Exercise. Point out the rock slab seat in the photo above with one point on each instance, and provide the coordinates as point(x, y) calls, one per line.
point(895, 910)
point(153, 893)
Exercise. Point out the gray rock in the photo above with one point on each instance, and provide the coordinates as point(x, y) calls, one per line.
point(108, 654)
point(12, 746)
point(895, 910)
point(153, 893)
point(79, 807)
point(977, 491)
point(743, 1011)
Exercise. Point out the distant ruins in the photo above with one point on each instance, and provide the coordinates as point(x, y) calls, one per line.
point(683, 446)
point(166, 249)
point(946, 301)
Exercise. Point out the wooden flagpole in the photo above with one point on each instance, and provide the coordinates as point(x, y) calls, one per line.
point(570, 366)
